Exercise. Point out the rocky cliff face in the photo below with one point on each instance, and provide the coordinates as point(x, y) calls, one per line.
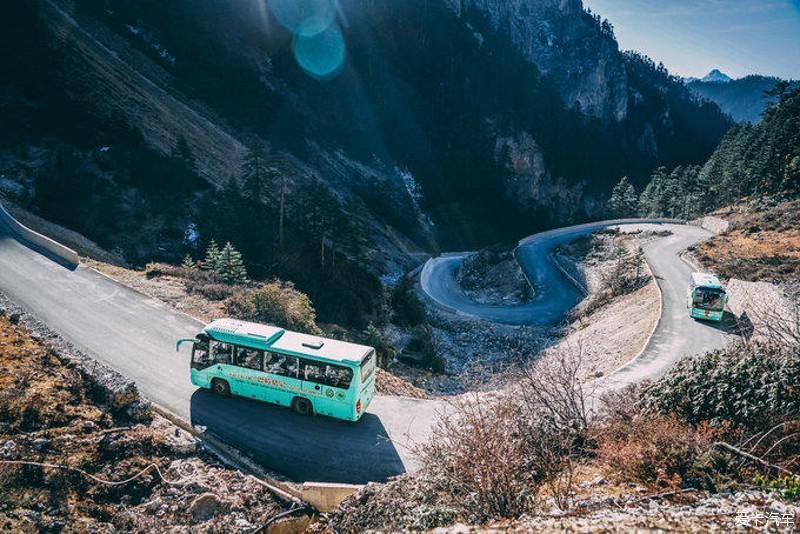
point(449, 123)
point(566, 44)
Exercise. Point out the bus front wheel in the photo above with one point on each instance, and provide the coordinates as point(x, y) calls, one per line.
point(220, 387)
point(302, 406)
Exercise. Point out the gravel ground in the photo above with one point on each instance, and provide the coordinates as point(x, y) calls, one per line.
point(479, 355)
point(612, 335)
point(709, 513)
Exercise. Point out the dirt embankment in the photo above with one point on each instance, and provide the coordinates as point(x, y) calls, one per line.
point(71, 463)
point(761, 243)
point(613, 324)
point(757, 251)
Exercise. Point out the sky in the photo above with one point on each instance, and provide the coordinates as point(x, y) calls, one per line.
point(691, 37)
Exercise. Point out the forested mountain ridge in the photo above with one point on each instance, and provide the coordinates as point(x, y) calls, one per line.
point(744, 99)
point(752, 160)
point(439, 128)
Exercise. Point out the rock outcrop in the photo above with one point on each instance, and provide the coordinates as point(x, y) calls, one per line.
point(566, 44)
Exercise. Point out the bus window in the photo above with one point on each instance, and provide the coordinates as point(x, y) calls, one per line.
point(707, 298)
point(249, 358)
point(280, 364)
point(339, 376)
point(312, 371)
point(200, 359)
point(221, 352)
point(368, 366)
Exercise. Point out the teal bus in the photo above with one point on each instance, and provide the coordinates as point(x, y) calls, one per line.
point(309, 374)
point(707, 297)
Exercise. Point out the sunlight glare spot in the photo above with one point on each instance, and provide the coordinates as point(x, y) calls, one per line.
point(304, 18)
point(320, 55)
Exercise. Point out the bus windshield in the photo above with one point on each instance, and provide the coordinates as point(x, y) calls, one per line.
point(368, 366)
point(707, 298)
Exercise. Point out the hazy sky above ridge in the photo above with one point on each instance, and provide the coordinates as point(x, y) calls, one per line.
point(691, 37)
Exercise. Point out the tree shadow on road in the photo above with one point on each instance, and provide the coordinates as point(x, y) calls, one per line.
point(312, 448)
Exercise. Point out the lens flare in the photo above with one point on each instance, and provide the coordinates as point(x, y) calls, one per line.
point(304, 18)
point(321, 55)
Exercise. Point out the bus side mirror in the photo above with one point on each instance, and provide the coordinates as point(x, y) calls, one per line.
point(181, 341)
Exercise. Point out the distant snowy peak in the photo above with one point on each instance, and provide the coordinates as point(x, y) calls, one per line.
point(716, 76)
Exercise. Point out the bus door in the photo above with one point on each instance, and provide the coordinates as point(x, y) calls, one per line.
point(220, 359)
point(327, 385)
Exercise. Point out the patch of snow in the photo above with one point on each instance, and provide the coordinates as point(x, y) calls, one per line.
point(152, 42)
point(391, 279)
point(191, 235)
point(475, 33)
point(414, 191)
point(10, 186)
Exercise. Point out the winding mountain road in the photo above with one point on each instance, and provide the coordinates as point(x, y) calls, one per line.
point(135, 335)
point(676, 336)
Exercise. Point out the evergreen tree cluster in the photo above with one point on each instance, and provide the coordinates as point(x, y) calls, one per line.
point(624, 201)
point(751, 160)
point(225, 263)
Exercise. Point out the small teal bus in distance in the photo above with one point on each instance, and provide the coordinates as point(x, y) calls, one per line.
point(310, 374)
point(707, 297)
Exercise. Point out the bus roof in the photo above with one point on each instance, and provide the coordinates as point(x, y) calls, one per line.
point(328, 349)
point(274, 338)
point(705, 280)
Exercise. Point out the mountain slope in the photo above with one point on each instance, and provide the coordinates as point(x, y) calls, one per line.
point(743, 99)
point(755, 161)
point(413, 142)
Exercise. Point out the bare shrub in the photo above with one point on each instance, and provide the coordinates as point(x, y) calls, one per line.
point(659, 451)
point(214, 291)
point(552, 387)
point(494, 457)
point(480, 457)
point(154, 270)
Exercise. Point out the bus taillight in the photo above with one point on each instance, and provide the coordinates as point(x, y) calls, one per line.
point(358, 406)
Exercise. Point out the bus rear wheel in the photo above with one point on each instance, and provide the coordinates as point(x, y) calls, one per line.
point(220, 387)
point(302, 406)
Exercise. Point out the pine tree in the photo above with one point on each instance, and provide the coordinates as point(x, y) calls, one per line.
point(254, 173)
point(188, 262)
point(258, 174)
point(623, 202)
point(231, 269)
point(184, 154)
point(211, 261)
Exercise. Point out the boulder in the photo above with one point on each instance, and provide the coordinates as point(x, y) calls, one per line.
point(206, 506)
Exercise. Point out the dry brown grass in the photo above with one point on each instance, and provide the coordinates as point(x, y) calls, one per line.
point(47, 415)
point(761, 245)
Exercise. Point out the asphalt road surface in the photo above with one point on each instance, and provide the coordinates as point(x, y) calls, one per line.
point(136, 335)
point(676, 336)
